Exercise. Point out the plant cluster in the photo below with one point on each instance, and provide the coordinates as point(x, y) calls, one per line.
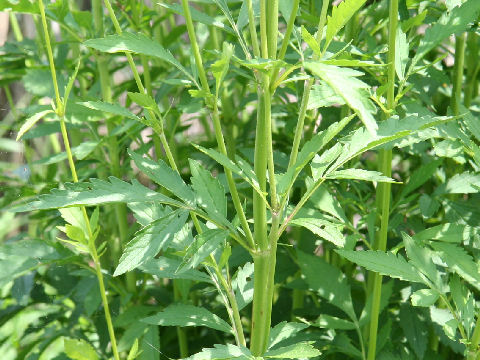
point(251, 179)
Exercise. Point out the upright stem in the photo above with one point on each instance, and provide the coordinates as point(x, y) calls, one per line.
point(93, 251)
point(384, 189)
point(216, 123)
point(472, 66)
point(458, 73)
point(473, 350)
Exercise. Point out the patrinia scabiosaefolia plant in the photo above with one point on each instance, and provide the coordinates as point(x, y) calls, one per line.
point(275, 167)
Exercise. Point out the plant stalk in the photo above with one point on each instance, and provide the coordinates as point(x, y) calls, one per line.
point(383, 192)
point(458, 73)
point(60, 109)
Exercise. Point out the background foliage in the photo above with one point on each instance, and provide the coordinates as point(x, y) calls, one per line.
point(208, 166)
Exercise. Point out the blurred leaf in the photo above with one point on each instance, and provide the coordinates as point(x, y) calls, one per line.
point(79, 350)
point(188, 315)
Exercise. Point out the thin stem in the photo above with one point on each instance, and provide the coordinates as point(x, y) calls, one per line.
point(92, 248)
point(458, 74)
point(263, 29)
point(383, 192)
point(306, 92)
point(216, 124)
point(253, 29)
point(272, 28)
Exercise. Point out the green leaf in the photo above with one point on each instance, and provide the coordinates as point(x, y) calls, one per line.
point(210, 193)
point(449, 23)
point(220, 67)
point(79, 349)
point(133, 353)
point(332, 285)
point(97, 192)
point(464, 183)
point(138, 44)
point(223, 352)
point(464, 302)
point(325, 202)
point(385, 263)
point(456, 233)
point(354, 92)
point(401, 53)
point(248, 176)
point(419, 177)
point(188, 315)
point(323, 95)
point(421, 258)
point(166, 268)
point(307, 153)
point(150, 240)
point(311, 42)
point(325, 229)
point(424, 297)
point(340, 16)
point(197, 16)
point(110, 108)
point(331, 322)
point(459, 261)
point(32, 120)
point(359, 174)
point(164, 176)
point(414, 328)
point(295, 351)
point(204, 244)
point(243, 285)
point(283, 331)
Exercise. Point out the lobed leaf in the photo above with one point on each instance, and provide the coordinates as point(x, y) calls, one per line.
point(340, 16)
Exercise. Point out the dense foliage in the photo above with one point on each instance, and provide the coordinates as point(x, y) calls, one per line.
point(252, 179)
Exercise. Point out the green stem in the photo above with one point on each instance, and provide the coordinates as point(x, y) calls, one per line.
point(253, 29)
point(458, 74)
point(216, 123)
point(93, 251)
point(306, 92)
point(181, 333)
point(473, 350)
point(383, 192)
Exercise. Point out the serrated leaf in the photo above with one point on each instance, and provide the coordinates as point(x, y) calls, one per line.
point(401, 53)
point(138, 44)
point(209, 192)
point(32, 120)
point(283, 331)
point(249, 177)
point(307, 153)
point(354, 92)
point(332, 285)
point(464, 302)
point(243, 285)
point(295, 351)
point(424, 297)
point(359, 174)
point(188, 315)
point(459, 261)
point(455, 233)
point(311, 42)
point(415, 329)
point(449, 23)
point(325, 229)
point(220, 67)
point(166, 268)
point(97, 192)
point(326, 202)
point(332, 322)
point(323, 95)
point(203, 245)
point(340, 16)
point(164, 176)
point(110, 108)
point(79, 349)
point(419, 177)
point(421, 258)
point(223, 352)
point(385, 263)
point(150, 240)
